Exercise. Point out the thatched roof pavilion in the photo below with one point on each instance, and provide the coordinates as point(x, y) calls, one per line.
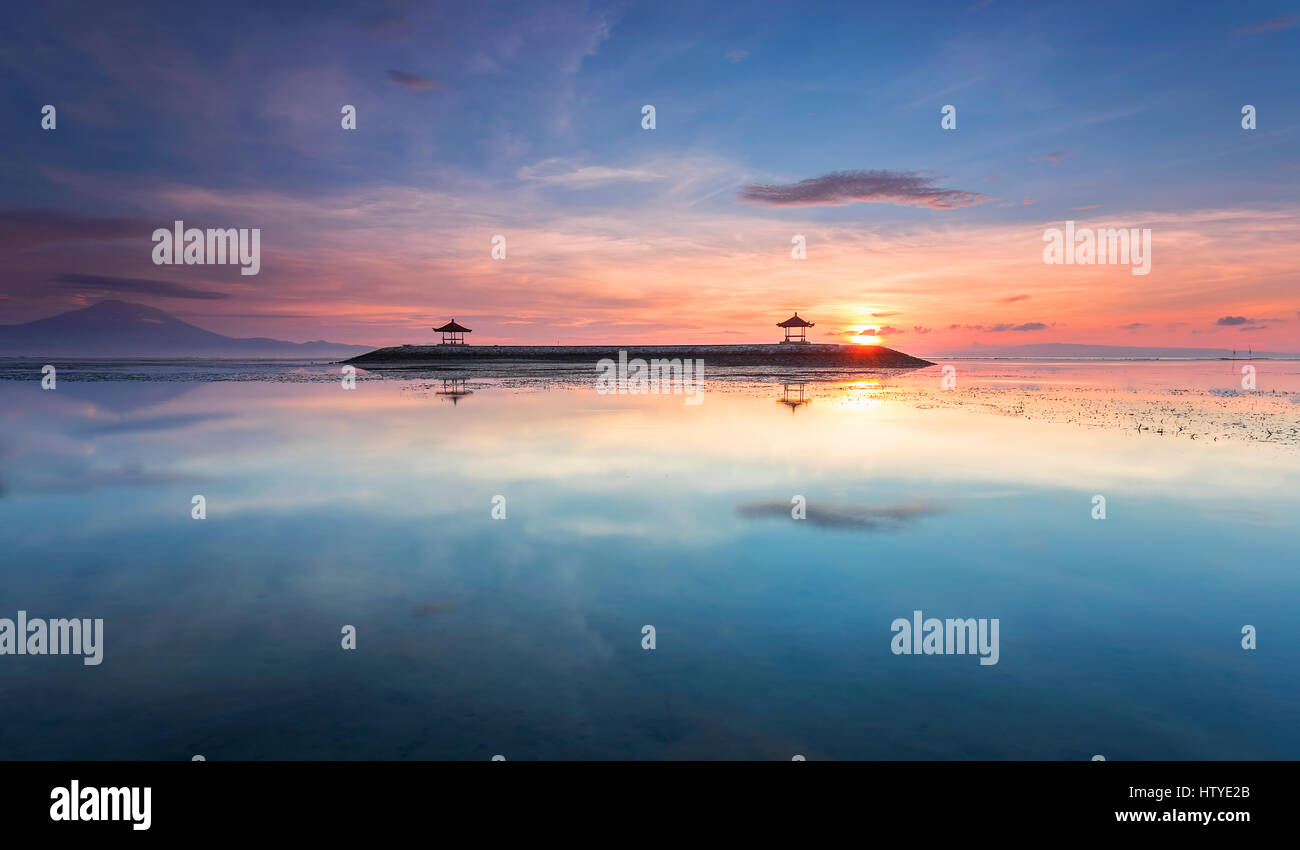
point(453, 333)
point(792, 323)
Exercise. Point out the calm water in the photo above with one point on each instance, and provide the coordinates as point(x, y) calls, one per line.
point(522, 636)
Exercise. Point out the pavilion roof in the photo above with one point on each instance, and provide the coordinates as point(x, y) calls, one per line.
point(453, 326)
point(794, 322)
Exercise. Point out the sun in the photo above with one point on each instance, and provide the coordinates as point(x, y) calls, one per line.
point(866, 336)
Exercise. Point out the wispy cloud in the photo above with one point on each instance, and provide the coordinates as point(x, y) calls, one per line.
point(1231, 321)
point(160, 422)
point(1285, 22)
point(736, 55)
point(560, 172)
point(1000, 327)
point(839, 188)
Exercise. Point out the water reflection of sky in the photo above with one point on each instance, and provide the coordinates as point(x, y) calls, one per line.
point(522, 636)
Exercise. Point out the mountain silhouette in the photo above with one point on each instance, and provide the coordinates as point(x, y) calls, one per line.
point(114, 328)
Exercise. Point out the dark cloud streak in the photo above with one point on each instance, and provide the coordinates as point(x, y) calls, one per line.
point(839, 188)
point(33, 228)
point(844, 517)
point(414, 82)
point(133, 285)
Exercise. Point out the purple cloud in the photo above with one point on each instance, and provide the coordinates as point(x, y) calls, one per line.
point(414, 82)
point(1229, 321)
point(839, 188)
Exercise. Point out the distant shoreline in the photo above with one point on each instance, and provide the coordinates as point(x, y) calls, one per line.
point(776, 354)
point(929, 359)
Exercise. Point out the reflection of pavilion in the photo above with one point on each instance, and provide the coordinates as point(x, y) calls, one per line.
point(453, 389)
point(793, 395)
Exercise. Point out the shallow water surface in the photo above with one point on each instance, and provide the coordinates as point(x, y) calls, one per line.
point(523, 635)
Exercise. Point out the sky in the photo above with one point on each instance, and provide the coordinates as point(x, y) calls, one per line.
point(773, 121)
